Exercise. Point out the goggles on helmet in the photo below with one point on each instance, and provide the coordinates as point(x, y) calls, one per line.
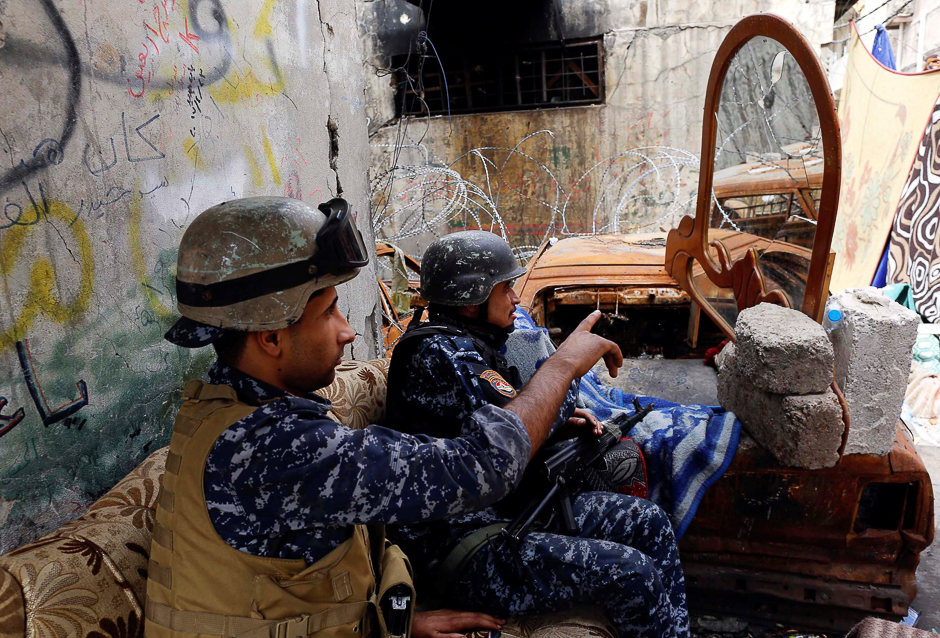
point(339, 249)
point(339, 242)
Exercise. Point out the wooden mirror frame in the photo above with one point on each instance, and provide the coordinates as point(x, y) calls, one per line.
point(688, 243)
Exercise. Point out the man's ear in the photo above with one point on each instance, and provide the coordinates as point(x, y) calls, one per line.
point(472, 312)
point(270, 342)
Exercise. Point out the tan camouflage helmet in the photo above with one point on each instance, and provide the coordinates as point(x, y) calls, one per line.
point(252, 264)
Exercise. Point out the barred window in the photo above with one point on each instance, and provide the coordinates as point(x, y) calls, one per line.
point(541, 76)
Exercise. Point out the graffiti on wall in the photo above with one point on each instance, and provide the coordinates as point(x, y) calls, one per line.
point(122, 120)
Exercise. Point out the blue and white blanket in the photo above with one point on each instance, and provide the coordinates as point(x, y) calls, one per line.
point(687, 447)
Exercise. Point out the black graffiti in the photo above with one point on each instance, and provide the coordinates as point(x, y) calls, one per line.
point(160, 154)
point(105, 167)
point(218, 16)
point(38, 211)
point(48, 415)
point(72, 62)
point(163, 184)
point(78, 422)
point(47, 153)
point(7, 423)
point(146, 317)
point(109, 198)
point(28, 55)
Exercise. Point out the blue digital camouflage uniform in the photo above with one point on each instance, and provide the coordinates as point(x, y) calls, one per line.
point(288, 482)
point(625, 558)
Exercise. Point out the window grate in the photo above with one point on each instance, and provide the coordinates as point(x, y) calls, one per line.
point(544, 76)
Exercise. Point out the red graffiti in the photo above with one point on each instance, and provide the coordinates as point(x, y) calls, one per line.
point(161, 17)
point(189, 38)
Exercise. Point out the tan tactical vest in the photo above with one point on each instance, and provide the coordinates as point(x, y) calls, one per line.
point(199, 585)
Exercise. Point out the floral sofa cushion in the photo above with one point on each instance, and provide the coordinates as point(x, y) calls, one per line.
point(358, 393)
point(89, 577)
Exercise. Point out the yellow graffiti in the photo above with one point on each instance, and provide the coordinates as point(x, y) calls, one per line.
point(41, 296)
point(270, 155)
point(246, 86)
point(257, 179)
point(263, 25)
point(192, 150)
point(137, 259)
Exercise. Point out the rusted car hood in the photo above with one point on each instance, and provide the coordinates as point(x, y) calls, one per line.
point(769, 177)
point(602, 260)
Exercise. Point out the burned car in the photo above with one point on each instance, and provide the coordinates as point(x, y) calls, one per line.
point(819, 548)
point(623, 275)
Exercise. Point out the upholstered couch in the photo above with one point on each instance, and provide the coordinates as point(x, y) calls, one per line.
point(89, 577)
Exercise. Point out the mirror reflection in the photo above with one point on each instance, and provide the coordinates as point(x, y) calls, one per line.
point(768, 171)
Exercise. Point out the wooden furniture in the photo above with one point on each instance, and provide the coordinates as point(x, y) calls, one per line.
point(692, 245)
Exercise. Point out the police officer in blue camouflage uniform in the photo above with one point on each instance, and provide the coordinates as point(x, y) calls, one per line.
point(257, 279)
point(625, 557)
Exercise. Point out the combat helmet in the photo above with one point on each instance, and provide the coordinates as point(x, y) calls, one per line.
point(461, 269)
point(252, 264)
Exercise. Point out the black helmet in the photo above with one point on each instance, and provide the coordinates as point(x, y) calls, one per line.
point(461, 269)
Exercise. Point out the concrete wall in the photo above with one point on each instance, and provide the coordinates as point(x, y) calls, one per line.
point(121, 121)
point(918, 34)
point(658, 57)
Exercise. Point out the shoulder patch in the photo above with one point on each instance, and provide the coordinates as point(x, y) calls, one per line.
point(499, 384)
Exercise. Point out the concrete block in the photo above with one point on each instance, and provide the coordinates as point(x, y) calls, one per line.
point(872, 345)
point(723, 356)
point(783, 351)
point(798, 430)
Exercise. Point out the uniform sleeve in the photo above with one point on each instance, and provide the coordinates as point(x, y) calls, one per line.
point(307, 471)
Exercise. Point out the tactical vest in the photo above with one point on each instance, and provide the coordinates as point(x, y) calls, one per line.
point(198, 585)
point(413, 419)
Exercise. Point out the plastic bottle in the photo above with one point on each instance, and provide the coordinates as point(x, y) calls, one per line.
point(833, 318)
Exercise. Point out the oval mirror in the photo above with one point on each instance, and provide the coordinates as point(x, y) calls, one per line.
point(769, 182)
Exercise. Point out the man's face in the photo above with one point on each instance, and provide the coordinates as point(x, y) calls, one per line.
point(314, 345)
point(501, 305)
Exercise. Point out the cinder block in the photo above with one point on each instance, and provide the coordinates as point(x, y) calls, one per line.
point(722, 357)
point(872, 346)
point(783, 351)
point(798, 430)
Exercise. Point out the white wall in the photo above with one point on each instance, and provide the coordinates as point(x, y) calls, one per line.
point(120, 122)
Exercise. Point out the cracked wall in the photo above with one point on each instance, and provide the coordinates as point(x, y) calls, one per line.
point(658, 57)
point(121, 122)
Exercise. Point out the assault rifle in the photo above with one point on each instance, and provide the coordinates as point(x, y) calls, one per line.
point(561, 473)
point(550, 479)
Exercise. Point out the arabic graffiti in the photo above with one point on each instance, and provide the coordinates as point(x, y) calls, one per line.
point(42, 281)
point(48, 415)
point(105, 167)
point(194, 94)
point(108, 165)
point(159, 154)
point(8, 422)
point(78, 422)
point(37, 210)
point(161, 17)
point(54, 153)
point(89, 236)
point(163, 184)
